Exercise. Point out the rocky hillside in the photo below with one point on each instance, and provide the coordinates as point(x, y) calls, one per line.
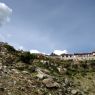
point(22, 73)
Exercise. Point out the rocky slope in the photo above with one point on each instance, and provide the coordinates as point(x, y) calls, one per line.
point(22, 73)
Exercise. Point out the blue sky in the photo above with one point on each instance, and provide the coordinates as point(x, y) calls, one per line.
point(47, 25)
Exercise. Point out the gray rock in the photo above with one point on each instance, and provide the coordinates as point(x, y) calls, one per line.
point(74, 92)
point(49, 82)
point(42, 73)
point(66, 81)
point(25, 72)
point(0, 66)
point(15, 71)
point(61, 70)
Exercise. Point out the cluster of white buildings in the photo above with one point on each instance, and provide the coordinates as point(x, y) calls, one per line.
point(77, 56)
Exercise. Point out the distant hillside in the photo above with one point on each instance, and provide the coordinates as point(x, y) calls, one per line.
point(22, 73)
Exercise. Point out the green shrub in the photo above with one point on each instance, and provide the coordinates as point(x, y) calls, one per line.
point(10, 48)
point(26, 57)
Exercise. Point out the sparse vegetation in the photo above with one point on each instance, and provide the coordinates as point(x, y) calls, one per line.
point(26, 57)
point(32, 74)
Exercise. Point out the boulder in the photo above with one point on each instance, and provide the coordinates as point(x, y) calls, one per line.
point(74, 92)
point(15, 71)
point(25, 72)
point(61, 70)
point(42, 73)
point(50, 83)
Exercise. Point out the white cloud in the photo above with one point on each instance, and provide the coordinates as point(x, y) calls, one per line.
point(5, 13)
point(59, 52)
point(34, 51)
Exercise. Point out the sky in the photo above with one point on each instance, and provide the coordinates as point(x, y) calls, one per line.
point(48, 25)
